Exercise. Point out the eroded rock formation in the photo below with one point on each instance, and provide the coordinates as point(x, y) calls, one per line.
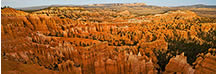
point(63, 42)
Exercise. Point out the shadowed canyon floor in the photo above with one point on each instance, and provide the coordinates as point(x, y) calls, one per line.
point(109, 39)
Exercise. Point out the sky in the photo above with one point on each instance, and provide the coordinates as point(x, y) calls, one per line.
point(29, 3)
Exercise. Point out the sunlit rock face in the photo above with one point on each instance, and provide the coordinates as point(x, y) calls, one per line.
point(205, 64)
point(179, 64)
point(83, 41)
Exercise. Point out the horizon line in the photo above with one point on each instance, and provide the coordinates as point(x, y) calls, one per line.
point(109, 3)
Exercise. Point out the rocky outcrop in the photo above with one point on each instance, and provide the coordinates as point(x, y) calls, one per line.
point(179, 64)
point(205, 64)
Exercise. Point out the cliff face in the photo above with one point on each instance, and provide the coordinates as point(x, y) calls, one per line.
point(82, 47)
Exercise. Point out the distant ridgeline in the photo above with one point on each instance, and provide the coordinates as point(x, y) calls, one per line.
point(119, 4)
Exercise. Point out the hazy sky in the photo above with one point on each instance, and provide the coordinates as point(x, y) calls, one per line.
point(28, 3)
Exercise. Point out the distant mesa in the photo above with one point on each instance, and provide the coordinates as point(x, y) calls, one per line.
point(119, 4)
point(199, 6)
